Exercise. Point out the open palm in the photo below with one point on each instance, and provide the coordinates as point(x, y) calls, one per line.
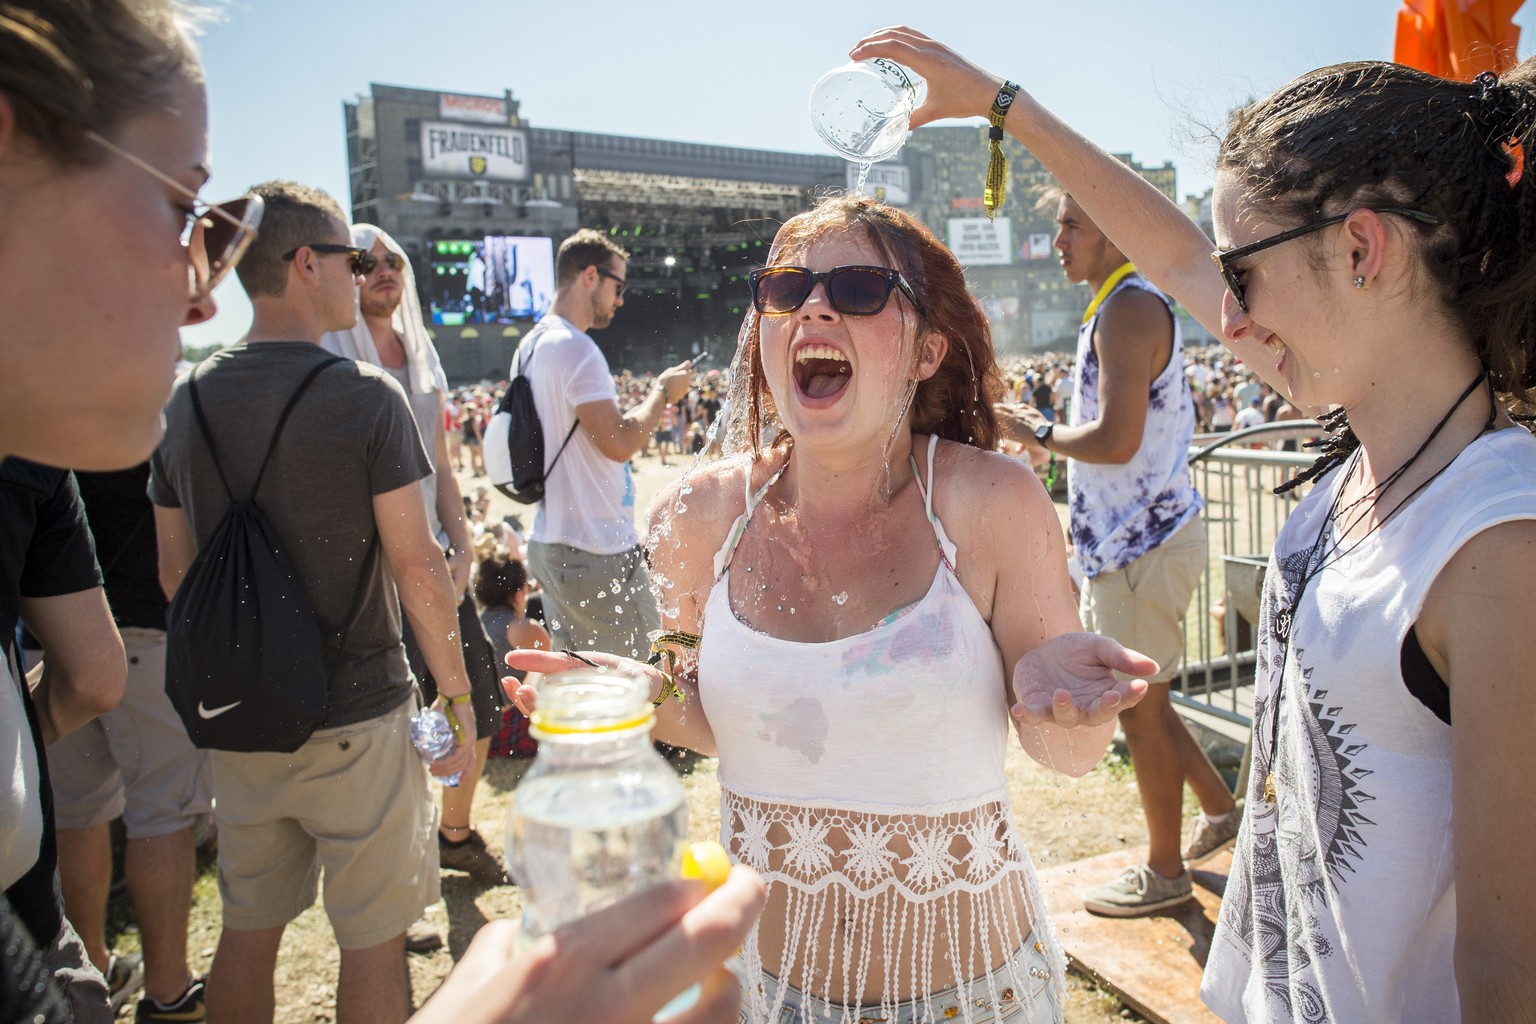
point(1070, 681)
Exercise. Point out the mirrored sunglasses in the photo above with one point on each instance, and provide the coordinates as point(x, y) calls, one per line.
point(393, 260)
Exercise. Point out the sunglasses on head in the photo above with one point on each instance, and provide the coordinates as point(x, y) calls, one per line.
point(852, 291)
point(216, 235)
point(1224, 259)
point(361, 259)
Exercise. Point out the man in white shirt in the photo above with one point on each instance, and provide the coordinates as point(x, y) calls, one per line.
point(583, 548)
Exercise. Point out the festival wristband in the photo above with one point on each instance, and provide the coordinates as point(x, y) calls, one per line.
point(995, 192)
point(453, 720)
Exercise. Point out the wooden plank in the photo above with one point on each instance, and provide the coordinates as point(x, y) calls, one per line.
point(1153, 964)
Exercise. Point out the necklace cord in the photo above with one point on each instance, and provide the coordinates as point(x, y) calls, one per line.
point(1320, 559)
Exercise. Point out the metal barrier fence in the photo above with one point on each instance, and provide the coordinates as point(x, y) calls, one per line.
point(1242, 517)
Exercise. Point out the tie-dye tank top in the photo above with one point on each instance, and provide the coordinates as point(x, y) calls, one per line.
point(1120, 512)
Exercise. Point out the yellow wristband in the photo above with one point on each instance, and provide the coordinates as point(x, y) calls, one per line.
point(453, 720)
point(996, 185)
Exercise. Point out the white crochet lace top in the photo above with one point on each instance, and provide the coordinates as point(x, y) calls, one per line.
point(863, 778)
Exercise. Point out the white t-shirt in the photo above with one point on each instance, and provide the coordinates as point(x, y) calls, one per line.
point(589, 500)
point(426, 410)
point(21, 798)
point(1249, 417)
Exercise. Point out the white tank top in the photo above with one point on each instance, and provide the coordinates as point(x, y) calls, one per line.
point(852, 771)
point(1341, 903)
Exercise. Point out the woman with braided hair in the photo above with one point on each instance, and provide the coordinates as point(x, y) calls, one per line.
point(1377, 258)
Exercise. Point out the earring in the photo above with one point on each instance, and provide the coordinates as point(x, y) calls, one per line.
point(1359, 282)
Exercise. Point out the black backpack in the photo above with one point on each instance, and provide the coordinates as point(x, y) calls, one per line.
point(245, 659)
point(514, 442)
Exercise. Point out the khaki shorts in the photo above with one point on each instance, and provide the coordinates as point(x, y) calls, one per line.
point(135, 760)
point(352, 801)
point(1143, 605)
point(582, 607)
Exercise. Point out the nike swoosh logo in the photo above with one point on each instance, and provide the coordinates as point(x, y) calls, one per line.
point(203, 712)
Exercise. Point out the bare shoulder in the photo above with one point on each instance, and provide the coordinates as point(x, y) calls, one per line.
point(973, 480)
point(702, 494)
point(1135, 308)
point(689, 520)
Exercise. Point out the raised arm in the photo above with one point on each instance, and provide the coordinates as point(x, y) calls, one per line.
point(618, 434)
point(1165, 245)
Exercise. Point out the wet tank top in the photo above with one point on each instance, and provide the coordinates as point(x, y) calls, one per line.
point(863, 778)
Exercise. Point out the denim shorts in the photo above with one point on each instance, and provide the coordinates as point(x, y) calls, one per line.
point(1035, 1006)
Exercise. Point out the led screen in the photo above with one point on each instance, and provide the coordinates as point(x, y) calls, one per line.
point(491, 280)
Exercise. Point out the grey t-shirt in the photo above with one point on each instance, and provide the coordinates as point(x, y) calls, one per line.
point(349, 438)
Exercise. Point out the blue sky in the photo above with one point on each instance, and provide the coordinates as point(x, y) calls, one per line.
point(1142, 77)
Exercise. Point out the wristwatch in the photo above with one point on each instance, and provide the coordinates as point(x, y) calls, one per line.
point(1043, 434)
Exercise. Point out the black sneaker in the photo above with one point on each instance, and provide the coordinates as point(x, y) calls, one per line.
point(187, 1007)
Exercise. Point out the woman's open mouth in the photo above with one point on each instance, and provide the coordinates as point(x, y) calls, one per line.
point(821, 372)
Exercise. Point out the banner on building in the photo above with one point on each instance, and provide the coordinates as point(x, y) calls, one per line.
point(1040, 247)
point(480, 109)
point(458, 151)
point(889, 183)
point(979, 242)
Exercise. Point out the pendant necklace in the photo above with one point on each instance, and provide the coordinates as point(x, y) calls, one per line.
point(1323, 555)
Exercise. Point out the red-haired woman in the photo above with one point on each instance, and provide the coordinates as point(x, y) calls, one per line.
point(876, 589)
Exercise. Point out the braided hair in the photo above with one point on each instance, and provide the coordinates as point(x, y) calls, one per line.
point(1370, 133)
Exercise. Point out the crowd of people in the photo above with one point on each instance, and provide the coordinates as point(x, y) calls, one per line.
point(860, 576)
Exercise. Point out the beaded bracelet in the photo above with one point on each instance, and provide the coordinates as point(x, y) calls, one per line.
point(660, 652)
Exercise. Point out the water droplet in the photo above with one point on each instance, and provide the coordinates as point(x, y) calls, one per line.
point(681, 507)
point(840, 599)
point(686, 489)
point(618, 609)
point(791, 611)
point(602, 593)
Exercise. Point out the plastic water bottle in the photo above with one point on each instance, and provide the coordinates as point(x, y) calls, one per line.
point(600, 814)
point(863, 110)
point(433, 738)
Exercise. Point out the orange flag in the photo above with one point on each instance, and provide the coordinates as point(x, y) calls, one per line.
point(1457, 38)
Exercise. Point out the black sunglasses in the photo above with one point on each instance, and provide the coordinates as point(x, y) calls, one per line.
point(610, 275)
point(852, 291)
point(1230, 274)
point(361, 259)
